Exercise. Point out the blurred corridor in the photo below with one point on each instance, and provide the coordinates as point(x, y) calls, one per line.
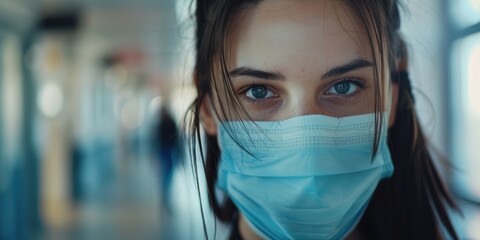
point(82, 85)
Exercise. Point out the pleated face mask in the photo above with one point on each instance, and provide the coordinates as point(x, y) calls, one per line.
point(307, 177)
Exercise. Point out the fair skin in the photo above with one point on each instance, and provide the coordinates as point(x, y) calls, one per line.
point(292, 58)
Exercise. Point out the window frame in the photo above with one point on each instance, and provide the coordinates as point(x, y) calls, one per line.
point(454, 34)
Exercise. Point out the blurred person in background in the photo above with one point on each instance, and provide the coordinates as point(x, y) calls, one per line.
point(311, 130)
point(168, 151)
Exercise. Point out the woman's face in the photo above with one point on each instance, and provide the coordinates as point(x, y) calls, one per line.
point(290, 58)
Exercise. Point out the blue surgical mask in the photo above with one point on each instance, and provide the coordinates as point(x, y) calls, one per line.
point(307, 177)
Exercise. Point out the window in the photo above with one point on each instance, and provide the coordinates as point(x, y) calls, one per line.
point(465, 98)
point(465, 87)
point(465, 12)
point(464, 109)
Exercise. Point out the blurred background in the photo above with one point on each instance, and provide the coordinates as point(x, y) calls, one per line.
point(92, 93)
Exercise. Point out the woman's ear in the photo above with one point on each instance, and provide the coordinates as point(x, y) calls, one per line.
point(206, 116)
point(207, 119)
point(393, 107)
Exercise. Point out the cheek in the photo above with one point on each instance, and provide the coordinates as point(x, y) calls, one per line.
point(274, 110)
point(227, 105)
point(361, 104)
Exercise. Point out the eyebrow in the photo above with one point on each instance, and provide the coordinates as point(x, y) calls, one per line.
point(250, 72)
point(353, 65)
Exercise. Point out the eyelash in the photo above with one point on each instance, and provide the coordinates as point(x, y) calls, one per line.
point(357, 82)
point(243, 93)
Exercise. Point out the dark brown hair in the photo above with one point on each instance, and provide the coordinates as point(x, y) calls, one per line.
point(413, 203)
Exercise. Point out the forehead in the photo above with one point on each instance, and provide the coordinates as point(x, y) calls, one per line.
point(277, 33)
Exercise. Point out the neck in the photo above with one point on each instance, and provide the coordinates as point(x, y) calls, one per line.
point(245, 231)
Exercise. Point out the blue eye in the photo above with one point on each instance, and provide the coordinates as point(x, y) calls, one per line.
point(345, 87)
point(259, 92)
